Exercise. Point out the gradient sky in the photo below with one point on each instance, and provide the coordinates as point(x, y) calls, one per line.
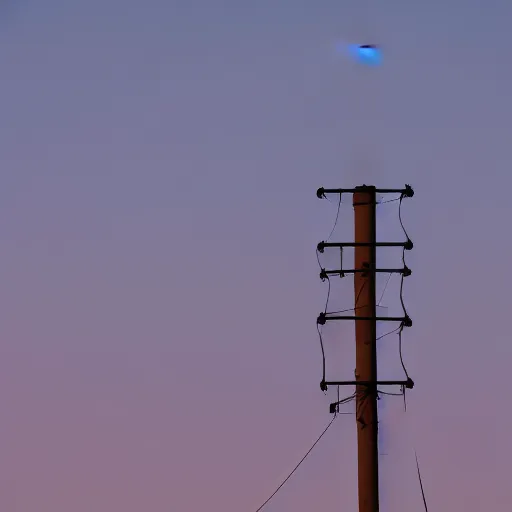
point(158, 220)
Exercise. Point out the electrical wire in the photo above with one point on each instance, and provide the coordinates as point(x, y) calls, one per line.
point(400, 216)
point(335, 220)
point(402, 291)
point(359, 293)
point(355, 308)
point(363, 395)
point(389, 200)
point(319, 329)
point(325, 312)
point(400, 350)
point(388, 333)
point(385, 287)
point(403, 253)
point(328, 295)
point(297, 466)
point(323, 351)
point(400, 328)
point(388, 393)
point(343, 401)
point(402, 285)
point(345, 310)
point(421, 483)
point(317, 252)
point(318, 257)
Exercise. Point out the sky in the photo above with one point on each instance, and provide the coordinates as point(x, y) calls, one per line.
point(158, 225)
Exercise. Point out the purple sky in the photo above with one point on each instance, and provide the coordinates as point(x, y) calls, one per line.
point(158, 220)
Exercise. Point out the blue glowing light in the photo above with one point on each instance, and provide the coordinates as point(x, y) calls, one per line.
point(366, 54)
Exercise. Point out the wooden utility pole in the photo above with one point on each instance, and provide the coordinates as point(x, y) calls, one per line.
point(364, 201)
point(365, 317)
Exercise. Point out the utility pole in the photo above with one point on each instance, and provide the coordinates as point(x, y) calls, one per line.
point(366, 348)
point(365, 316)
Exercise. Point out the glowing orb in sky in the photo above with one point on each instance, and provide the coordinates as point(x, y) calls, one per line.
point(367, 54)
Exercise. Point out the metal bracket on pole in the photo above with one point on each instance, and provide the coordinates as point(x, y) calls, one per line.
point(405, 192)
point(334, 407)
point(407, 245)
point(404, 320)
point(324, 274)
point(409, 383)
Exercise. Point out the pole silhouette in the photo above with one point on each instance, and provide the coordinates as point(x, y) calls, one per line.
point(364, 202)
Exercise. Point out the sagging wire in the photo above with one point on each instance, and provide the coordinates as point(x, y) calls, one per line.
point(385, 288)
point(421, 483)
point(402, 298)
point(345, 310)
point(400, 328)
point(326, 277)
point(343, 401)
point(318, 259)
point(402, 285)
point(355, 308)
point(401, 198)
point(318, 328)
point(400, 343)
point(402, 362)
point(388, 333)
point(328, 294)
point(403, 253)
point(388, 393)
point(402, 387)
point(389, 200)
point(297, 466)
point(336, 413)
point(335, 220)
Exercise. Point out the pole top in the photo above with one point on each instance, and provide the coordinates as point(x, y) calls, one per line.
point(407, 191)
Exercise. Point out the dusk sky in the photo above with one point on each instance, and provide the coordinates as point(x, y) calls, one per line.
point(158, 224)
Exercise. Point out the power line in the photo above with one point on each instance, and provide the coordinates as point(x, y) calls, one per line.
point(385, 288)
point(389, 200)
point(421, 484)
point(388, 333)
point(297, 466)
point(318, 328)
point(400, 350)
point(335, 220)
point(402, 292)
